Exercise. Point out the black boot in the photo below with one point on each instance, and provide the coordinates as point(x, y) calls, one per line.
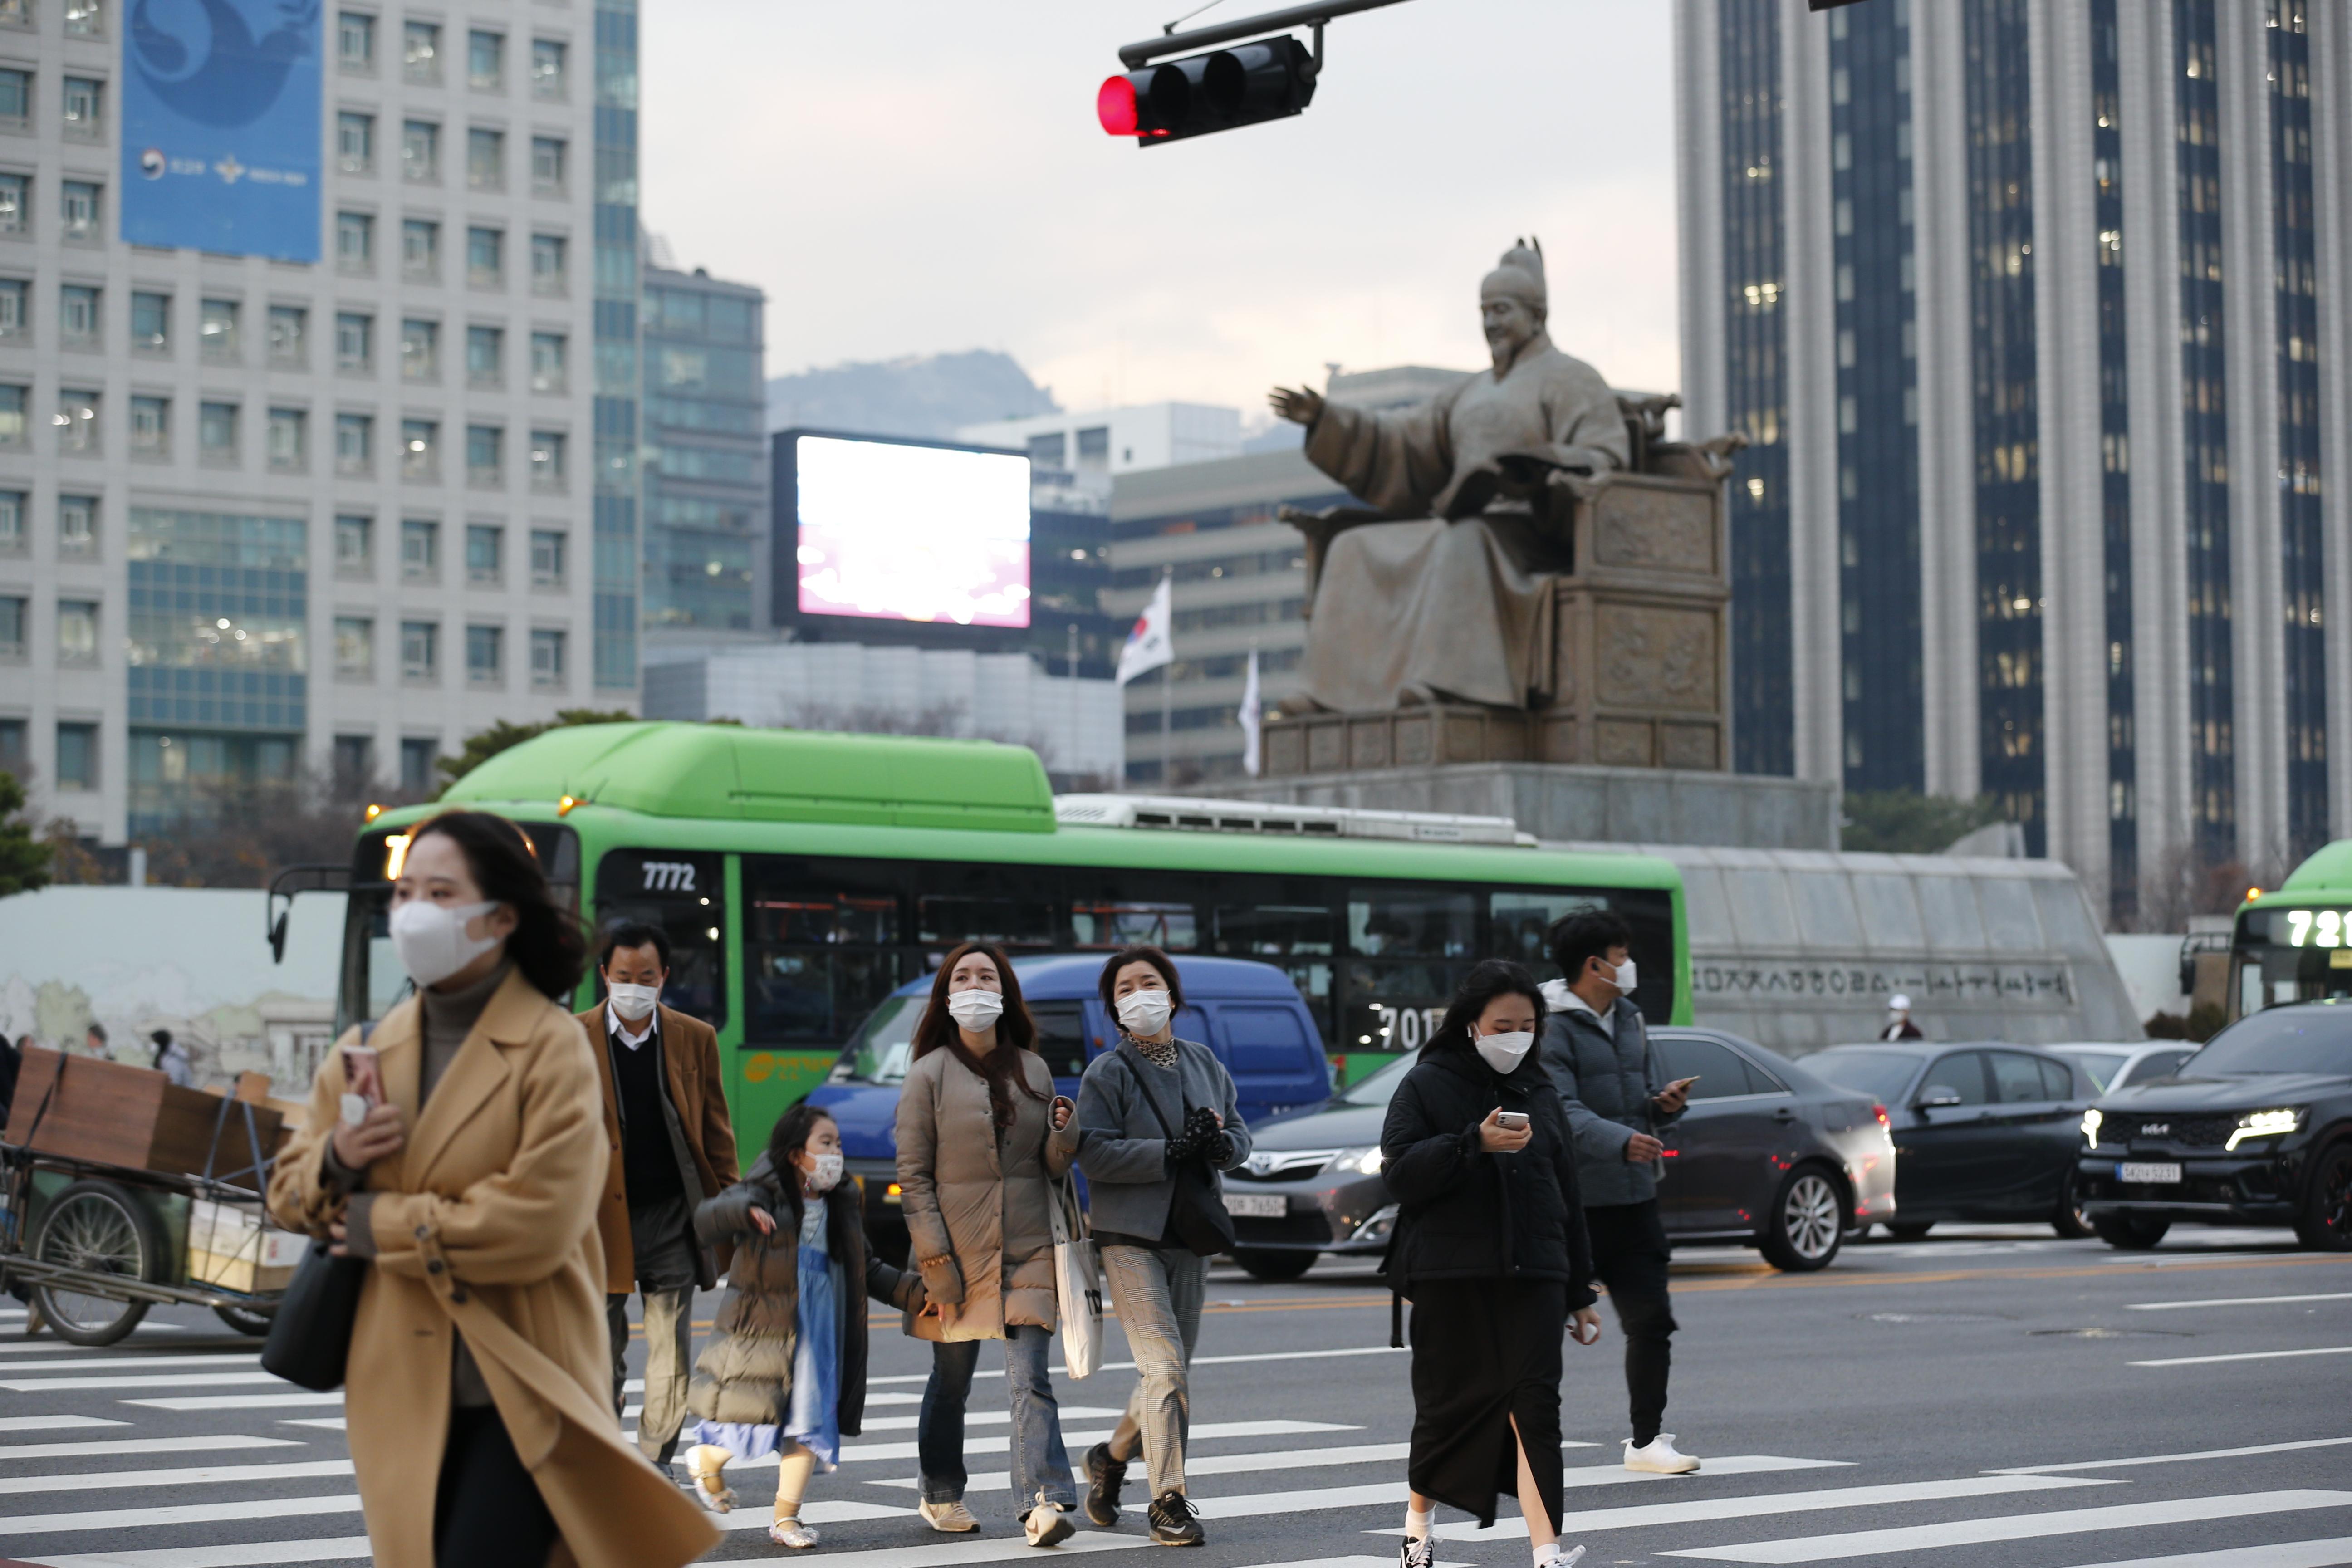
point(1174, 1520)
point(1105, 1477)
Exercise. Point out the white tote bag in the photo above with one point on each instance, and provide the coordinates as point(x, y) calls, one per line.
point(1077, 1285)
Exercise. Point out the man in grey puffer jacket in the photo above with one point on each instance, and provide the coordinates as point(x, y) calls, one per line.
point(1597, 1053)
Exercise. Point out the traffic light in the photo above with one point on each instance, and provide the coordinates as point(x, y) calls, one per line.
point(1248, 84)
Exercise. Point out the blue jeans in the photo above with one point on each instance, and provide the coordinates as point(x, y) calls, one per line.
point(1040, 1463)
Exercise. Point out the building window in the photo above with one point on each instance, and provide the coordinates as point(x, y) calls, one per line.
point(547, 166)
point(12, 522)
point(77, 525)
point(77, 631)
point(355, 242)
point(216, 334)
point(355, 445)
point(485, 547)
point(216, 432)
point(15, 299)
point(548, 370)
point(547, 460)
point(420, 550)
point(484, 655)
point(85, 18)
point(81, 209)
point(420, 350)
point(77, 315)
point(355, 143)
point(78, 420)
point(16, 197)
point(486, 61)
point(12, 627)
point(485, 356)
point(486, 456)
point(78, 756)
point(355, 42)
point(16, 99)
point(151, 323)
point(84, 103)
point(290, 440)
point(150, 427)
point(288, 329)
point(546, 66)
point(354, 342)
point(12, 414)
point(420, 151)
point(355, 765)
point(355, 545)
point(547, 658)
point(420, 449)
point(354, 648)
point(549, 264)
point(420, 653)
point(546, 558)
point(485, 257)
point(420, 249)
point(420, 52)
point(486, 160)
point(416, 765)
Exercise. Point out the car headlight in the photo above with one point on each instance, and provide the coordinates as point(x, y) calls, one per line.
point(1363, 1161)
point(2265, 1124)
point(2091, 1120)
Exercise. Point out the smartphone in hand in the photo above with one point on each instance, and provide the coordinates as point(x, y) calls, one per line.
point(362, 1083)
point(1511, 1121)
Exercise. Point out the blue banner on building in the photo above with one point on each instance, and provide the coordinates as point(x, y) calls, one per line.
point(220, 126)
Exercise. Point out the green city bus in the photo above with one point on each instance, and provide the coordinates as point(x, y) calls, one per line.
point(2294, 944)
point(803, 876)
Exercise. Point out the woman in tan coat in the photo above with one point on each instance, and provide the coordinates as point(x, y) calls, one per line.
point(479, 1389)
point(983, 1142)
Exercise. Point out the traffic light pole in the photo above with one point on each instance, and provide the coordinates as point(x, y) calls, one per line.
point(1135, 57)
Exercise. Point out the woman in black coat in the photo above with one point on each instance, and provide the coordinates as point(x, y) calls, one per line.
point(1490, 1248)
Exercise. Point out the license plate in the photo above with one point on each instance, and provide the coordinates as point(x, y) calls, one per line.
point(2148, 1172)
point(1255, 1206)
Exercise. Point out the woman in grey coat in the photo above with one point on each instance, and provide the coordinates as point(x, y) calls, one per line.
point(1146, 1109)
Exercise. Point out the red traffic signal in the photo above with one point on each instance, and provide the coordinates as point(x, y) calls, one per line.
point(1246, 85)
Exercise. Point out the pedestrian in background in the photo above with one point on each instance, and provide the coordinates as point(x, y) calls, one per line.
point(1490, 1248)
point(983, 1139)
point(93, 1042)
point(476, 1389)
point(1597, 1050)
point(672, 1149)
point(784, 1372)
point(172, 1059)
point(1899, 1026)
point(1148, 1108)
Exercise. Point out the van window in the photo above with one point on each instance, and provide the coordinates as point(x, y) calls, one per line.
point(1062, 1035)
point(1268, 1041)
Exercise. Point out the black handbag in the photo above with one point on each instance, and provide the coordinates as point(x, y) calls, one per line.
point(1196, 1214)
point(311, 1336)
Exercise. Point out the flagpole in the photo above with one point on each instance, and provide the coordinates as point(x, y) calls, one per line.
point(1168, 692)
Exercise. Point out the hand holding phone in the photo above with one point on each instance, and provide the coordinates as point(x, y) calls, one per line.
point(1675, 1095)
point(362, 1083)
point(1498, 1135)
point(1516, 1120)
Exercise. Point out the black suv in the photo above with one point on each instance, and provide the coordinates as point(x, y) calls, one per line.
point(2255, 1128)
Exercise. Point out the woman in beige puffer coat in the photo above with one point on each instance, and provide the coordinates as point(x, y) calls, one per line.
point(984, 1145)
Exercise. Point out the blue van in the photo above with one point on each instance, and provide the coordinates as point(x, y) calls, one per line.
point(1248, 1013)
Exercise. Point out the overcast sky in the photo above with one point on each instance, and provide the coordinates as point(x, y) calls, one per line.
point(927, 175)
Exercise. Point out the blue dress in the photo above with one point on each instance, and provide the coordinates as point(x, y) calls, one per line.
point(814, 1420)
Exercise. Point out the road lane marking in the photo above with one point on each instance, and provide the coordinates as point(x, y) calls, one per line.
point(2235, 1302)
point(2174, 1458)
point(205, 1441)
point(1394, 1493)
point(2018, 1527)
point(2280, 1555)
point(174, 1380)
point(324, 1425)
point(253, 1554)
point(174, 1513)
point(290, 1398)
point(2210, 1360)
point(205, 1475)
point(129, 1362)
point(816, 1511)
point(1302, 1459)
point(52, 1423)
point(1003, 1443)
point(1698, 1510)
point(1831, 1279)
point(994, 1418)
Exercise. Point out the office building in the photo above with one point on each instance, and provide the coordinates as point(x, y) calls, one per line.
point(2021, 303)
point(617, 482)
point(1082, 454)
point(301, 477)
point(706, 474)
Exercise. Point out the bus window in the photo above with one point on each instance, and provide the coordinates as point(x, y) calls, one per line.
point(1396, 1006)
point(817, 960)
point(1299, 939)
point(681, 893)
point(1014, 923)
point(1412, 922)
point(1523, 921)
point(1103, 924)
point(2286, 955)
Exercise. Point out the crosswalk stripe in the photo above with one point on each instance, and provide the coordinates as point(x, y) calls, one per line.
point(815, 1510)
point(2234, 1301)
point(121, 1363)
point(1370, 1454)
point(2018, 1527)
point(2174, 1458)
point(957, 1553)
point(205, 1475)
point(104, 1447)
point(174, 1380)
point(252, 1554)
point(2332, 1554)
point(174, 1513)
point(292, 1398)
point(994, 1418)
point(1699, 1511)
point(53, 1423)
point(59, 1347)
point(2212, 1360)
point(1394, 1493)
point(1001, 1442)
point(325, 1424)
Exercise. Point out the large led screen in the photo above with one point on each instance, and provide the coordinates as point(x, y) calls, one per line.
point(897, 532)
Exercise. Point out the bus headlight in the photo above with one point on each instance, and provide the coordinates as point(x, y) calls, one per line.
point(2091, 1120)
point(2264, 1125)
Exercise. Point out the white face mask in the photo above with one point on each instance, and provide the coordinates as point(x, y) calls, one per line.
point(633, 1003)
point(1145, 1012)
point(975, 1010)
point(1504, 1052)
point(431, 938)
point(1625, 976)
point(824, 1172)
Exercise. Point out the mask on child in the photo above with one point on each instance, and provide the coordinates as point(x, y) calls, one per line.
point(824, 1172)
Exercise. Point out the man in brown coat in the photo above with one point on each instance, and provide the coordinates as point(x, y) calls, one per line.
point(672, 1148)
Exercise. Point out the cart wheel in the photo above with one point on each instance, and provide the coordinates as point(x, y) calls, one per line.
point(100, 1228)
point(244, 1320)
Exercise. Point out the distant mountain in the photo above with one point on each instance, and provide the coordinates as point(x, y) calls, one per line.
point(931, 395)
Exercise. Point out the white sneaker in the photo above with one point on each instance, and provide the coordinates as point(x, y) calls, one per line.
point(1046, 1525)
point(1658, 1456)
point(950, 1518)
point(1562, 1557)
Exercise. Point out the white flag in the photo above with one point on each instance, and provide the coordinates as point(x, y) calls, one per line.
point(1251, 718)
point(1149, 645)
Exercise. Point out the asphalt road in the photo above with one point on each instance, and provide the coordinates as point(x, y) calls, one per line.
point(1989, 1397)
